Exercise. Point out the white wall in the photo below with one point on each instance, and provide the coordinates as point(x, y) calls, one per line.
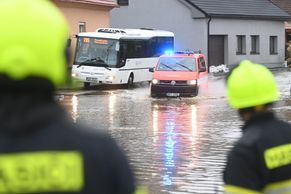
point(169, 15)
point(264, 29)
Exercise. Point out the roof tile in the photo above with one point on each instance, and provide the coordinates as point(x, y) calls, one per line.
point(241, 8)
point(283, 4)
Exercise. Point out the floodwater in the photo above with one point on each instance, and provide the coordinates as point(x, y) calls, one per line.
point(174, 145)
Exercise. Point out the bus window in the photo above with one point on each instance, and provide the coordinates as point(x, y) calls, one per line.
point(133, 49)
point(158, 45)
point(96, 52)
point(163, 44)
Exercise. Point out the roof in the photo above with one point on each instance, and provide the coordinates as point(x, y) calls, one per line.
point(255, 9)
point(109, 3)
point(283, 4)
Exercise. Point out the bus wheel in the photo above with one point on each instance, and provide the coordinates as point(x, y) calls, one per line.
point(130, 81)
point(86, 85)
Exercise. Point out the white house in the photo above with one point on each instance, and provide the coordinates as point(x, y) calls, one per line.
point(227, 31)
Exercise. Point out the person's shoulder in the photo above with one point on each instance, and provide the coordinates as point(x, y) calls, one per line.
point(250, 137)
point(246, 144)
point(283, 123)
point(278, 128)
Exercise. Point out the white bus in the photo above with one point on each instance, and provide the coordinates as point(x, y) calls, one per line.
point(119, 56)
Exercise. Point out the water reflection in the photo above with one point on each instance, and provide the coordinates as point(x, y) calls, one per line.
point(71, 103)
point(176, 134)
point(75, 103)
point(169, 160)
point(111, 109)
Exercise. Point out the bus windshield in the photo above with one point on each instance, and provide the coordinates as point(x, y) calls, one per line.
point(176, 64)
point(96, 52)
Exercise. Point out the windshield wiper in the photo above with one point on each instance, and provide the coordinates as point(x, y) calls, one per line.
point(184, 66)
point(104, 65)
point(163, 64)
point(86, 62)
point(97, 61)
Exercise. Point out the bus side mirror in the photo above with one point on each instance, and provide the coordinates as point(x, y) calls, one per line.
point(121, 63)
point(151, 69)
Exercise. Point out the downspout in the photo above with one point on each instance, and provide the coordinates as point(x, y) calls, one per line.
point(208, 42)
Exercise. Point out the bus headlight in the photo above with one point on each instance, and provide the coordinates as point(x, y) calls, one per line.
point(74, 75)
point(155, 81)
point(192, 82)
point(111, 77)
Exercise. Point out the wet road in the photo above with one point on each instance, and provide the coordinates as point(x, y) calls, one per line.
point(175, 145)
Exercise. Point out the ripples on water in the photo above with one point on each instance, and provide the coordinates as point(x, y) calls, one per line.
point(175, 145)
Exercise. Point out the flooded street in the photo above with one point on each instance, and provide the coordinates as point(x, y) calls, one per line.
point(175, 145)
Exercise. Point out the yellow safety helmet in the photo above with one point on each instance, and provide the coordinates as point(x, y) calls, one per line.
point(250, 85)
point(33, 40)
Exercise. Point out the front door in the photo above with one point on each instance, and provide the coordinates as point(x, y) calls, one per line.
point(216, 50)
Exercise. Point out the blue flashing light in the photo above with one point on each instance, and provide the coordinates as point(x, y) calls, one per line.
point(188, 52)
point(169, 52)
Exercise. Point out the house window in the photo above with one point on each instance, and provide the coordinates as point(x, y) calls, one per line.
point(273, 45)
point(255, 44)
point(82, 26)
point(241, 45)
point(122, 2)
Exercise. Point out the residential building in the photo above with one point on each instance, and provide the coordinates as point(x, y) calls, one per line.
point(85, 15)
point(286, 6)
point(227, 31)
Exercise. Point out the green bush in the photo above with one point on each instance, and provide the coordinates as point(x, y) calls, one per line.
point(71, 84)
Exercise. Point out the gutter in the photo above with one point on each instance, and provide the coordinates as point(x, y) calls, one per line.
point(251, 17)
point(208, 26)
point(208, 42)
point(191, 3)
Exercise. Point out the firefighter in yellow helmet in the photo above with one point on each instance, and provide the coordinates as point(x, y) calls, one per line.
point(41, 150)
point(260, 161)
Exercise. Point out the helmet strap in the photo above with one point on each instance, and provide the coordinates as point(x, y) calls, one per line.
point(247, 113)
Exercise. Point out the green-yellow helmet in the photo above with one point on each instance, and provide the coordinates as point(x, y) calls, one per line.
point(250, 85)
point(33, 39)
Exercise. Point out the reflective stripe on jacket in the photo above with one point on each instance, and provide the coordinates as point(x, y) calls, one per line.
point(260, 162)
point(42, 151)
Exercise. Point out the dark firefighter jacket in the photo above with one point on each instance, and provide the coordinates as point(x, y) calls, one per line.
point(260, 162)
point(41, 151)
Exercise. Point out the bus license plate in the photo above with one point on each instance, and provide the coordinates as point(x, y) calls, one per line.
point(91, 79)
point(172, 94)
